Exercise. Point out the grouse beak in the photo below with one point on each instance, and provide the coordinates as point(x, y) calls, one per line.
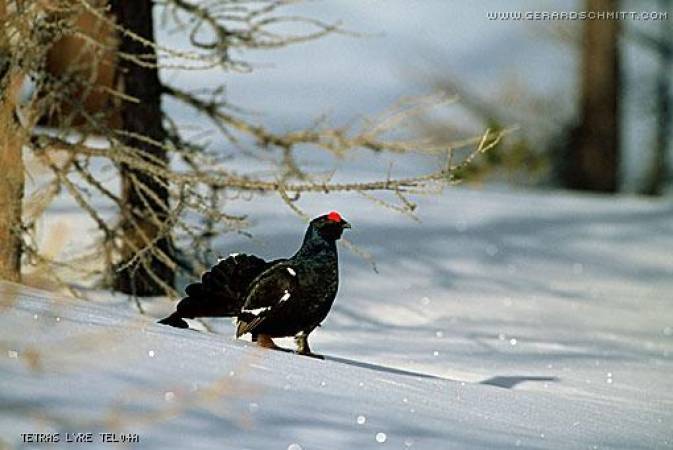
point(345, 224)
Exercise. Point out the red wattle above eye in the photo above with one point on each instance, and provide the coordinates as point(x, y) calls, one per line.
point(334, 216)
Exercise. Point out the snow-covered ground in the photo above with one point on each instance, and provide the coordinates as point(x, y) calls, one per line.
point(504, 319)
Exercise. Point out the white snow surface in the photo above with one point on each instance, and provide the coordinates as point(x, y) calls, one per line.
point(504, 319)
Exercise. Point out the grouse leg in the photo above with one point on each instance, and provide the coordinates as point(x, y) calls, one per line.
point(301, 340)
point(264, 340)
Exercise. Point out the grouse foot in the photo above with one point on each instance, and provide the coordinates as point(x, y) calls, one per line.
point(303, 349)
point(264, 340)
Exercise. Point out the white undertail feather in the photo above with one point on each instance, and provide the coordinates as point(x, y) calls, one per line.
point(257, 311)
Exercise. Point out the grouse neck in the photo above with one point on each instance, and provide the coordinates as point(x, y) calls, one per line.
point(314, 244)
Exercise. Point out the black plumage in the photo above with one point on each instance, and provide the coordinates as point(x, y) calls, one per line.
point(286, 297)
point(221, 291)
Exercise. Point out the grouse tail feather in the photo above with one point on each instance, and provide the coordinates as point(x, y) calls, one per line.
point(174, 320)
point(221, 291)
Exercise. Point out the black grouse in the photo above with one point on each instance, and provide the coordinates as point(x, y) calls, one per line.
point(285, 297)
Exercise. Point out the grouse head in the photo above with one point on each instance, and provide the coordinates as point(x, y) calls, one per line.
point(329, 226)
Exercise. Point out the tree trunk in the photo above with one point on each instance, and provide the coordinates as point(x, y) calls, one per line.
point(11, 163)
point(143, 219)
point(592, 162)
point(656, 180)
point(11, 180)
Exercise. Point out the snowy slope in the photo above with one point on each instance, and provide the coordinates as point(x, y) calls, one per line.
point(503, 320)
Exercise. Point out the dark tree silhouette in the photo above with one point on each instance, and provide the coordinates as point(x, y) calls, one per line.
point(592, 158)
point(145, 197)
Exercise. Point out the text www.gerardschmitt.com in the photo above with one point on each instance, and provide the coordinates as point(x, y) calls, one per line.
point(577, 15)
